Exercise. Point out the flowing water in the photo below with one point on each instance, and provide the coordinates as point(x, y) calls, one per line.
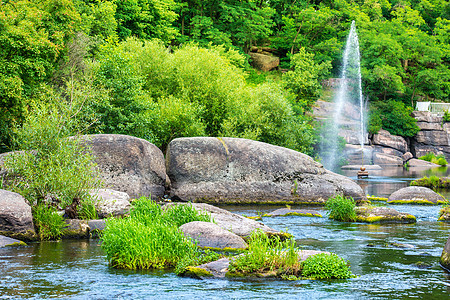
point(77, 269)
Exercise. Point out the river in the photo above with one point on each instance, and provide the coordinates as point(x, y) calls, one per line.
point(77, 269)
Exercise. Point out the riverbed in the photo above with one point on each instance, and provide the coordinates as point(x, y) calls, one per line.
point(77, 269)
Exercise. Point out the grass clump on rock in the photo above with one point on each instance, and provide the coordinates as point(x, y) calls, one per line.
point(432, 182)
point(341, 208)
point(272, 257)
point(436, 159)
point(149, 238)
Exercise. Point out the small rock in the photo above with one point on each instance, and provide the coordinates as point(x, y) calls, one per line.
point(9, 242)
point(423, 265)
point(407, 156)
point(403, 246)
point(416, 194)
point(75, 228)
point(293, 212)
point(370, 214)
point(418, 163)
point(210, 235)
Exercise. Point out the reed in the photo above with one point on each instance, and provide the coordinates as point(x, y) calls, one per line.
point(341, 208)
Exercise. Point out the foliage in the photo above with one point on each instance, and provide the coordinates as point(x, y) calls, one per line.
point(48, 222)
point(149, 238)
point(394, 117)
point(201, 257)
point(267, 254)
point(51, 168)
point(432, 182)
point(341, 208)
point(326, 266)
point(436, 159)
point(446, 117)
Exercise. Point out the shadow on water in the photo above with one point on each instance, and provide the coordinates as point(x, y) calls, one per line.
point(392, 261)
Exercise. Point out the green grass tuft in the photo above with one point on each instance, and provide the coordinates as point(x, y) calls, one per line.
point(326, 266)
point(49, 224)
point(341, 208)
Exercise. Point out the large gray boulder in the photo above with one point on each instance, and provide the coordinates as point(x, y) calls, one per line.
point(387, 159)
point(235, 223)
point(233, 170)
point(434, 137)
point(110, 202)
point(15, 215)
point(384, 138)
point(129, 164)
point(210, 235)
point(414, 162)
point(416, 194)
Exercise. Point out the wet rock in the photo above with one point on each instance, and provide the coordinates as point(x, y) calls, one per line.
point(386, 159)
point(401, 245)
point(444, 214)
point(77, 229)
point(16, 219)
point(264, 62)
point(293, 212)
point(235, 223)
point(445, 256)
point(129, 164)
point(421, 163)
point(95, 227)
point(9, 242)
point(110, 202)
point(232, 170)
point(384, 138)
point(423, 265)
point(416, 194)
point(219, 268)
point(370, 214)
point(210, 235)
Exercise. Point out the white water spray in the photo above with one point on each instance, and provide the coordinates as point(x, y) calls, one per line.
point(349, 93)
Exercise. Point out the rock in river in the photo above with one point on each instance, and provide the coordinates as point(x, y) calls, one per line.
point(416, 194)
point(210, 235)
point(293, 212)
point(445, 256)
point(235, 223)
point(371, 214)
point(233, 170)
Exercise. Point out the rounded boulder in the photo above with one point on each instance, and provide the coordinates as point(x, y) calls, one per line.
point(15, 214)
point(210, 235)
point(416, 194)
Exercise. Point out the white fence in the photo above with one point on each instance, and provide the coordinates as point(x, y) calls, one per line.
point(433, 107)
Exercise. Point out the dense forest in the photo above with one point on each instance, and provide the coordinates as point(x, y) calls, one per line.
point(160, 69)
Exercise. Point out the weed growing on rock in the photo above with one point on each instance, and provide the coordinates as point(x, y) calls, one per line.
point(341, 208)
point(436, 159)
point(326, 266)
point(49, 223)
point(432, 182)
point(267, 254)
point(150, 239)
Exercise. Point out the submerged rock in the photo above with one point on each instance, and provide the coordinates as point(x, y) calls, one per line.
point(445, 256)
point(210, 235)
point(110, 202)
point(417, 195)
point(16, 219)
point(235, 223)
point(293, 212)
point(370, 214)
point(129, 164)
point(219, 268)
point(233, 170)
point(444, 214)
point(9, 242)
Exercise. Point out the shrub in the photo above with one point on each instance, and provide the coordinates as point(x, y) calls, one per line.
point(182, 214)
point(432, 182)
point(326, 266)
point(48, 222)
point(436, 159)
point(52, 168)
point(341, 208)
point(394, 116)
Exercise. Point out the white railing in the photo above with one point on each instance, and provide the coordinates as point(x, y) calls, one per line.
point(433, 107)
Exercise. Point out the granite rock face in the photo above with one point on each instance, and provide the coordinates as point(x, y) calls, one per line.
point(15, 214)
point(232, 170)
point(384, 138)
point(129, 164)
